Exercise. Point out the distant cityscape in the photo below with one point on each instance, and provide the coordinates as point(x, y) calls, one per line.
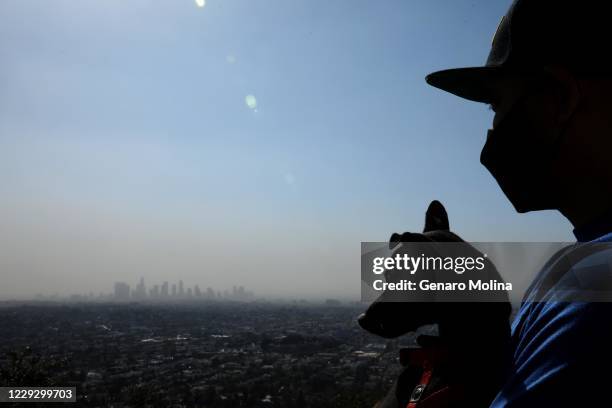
point(123, 292)
point(166, 291)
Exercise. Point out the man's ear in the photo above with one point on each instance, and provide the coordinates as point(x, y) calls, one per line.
point(436, 217)
point(568, 92)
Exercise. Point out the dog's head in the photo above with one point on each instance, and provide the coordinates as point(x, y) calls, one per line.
point(393, 319)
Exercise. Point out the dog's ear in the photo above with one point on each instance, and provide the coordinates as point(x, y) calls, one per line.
point(436, 218)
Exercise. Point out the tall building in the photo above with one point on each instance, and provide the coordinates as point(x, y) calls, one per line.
point(122, 291)
point(141, 291)
point(174, 290)
point(181, 289)
point(164, 289)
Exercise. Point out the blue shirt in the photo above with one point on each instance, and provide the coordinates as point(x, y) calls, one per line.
point(562, 351)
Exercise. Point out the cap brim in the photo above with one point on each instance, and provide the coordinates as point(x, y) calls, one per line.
point(474, 83)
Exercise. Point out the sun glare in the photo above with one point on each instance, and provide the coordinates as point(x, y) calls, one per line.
point(200, 3)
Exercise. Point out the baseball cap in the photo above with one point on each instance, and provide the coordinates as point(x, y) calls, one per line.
point(532, 35)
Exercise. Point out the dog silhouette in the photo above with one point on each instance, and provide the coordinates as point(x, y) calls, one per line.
point(475, 334)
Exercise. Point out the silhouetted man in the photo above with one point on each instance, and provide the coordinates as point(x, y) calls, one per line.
point(548, 78)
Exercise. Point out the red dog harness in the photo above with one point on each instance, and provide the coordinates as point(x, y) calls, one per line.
point(428, 359)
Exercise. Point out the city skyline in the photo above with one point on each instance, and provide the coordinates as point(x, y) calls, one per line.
point(123, 291)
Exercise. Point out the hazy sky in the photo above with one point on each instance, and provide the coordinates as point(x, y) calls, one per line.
point(243, 142)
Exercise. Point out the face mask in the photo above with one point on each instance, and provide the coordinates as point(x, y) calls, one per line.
point(520, 157)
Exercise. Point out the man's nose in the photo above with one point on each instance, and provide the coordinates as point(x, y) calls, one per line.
point(497, 118)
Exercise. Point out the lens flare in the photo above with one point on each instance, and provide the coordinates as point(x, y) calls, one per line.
point(250, 101)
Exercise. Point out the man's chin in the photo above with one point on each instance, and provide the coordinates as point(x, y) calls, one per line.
point(528, 204)
point(521, 206)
